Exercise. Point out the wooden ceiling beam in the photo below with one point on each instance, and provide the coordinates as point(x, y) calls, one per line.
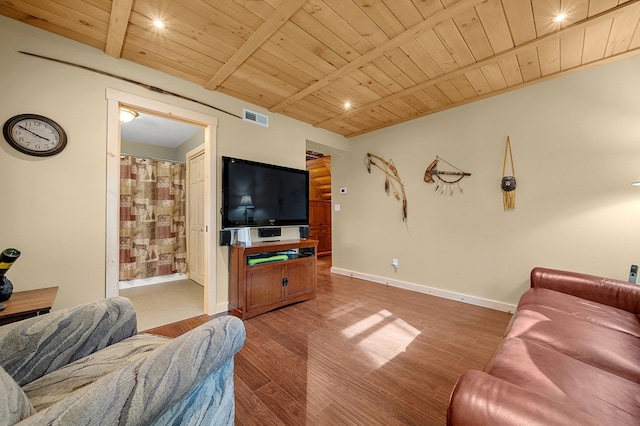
point(400, 39)
point(260, 36)
point(578, 26)
point(118, 22)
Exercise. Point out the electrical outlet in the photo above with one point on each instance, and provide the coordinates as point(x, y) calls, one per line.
point(394, 263)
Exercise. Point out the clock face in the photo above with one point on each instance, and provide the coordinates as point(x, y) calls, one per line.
point(35, 135)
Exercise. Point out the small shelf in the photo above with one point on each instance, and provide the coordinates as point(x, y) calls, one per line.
point(276, 256)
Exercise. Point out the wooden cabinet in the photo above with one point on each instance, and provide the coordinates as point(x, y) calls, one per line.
point(256, 289)
point(320, 225)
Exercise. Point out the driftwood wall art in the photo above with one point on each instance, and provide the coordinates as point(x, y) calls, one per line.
point(444, 185)
point(392, 179)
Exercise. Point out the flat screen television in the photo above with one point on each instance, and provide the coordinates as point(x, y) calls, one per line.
point(259, 194)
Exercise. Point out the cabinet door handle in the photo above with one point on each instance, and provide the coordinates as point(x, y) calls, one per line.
point(285, 282)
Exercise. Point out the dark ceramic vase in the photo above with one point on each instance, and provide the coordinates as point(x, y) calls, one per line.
point(6, 289)
point(7, 258)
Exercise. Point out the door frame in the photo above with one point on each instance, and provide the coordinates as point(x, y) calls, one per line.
point(116, 99)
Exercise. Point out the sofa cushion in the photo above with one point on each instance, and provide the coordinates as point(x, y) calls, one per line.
point(606, 348)
point(597, 313)
point(481, 399)
point(60, 383)
point(14, 404)
point(621, 294)
point(567, 380)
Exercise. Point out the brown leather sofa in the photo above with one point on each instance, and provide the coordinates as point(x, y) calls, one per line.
point(571, 356)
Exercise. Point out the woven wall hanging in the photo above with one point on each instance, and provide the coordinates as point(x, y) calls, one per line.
point(508, 181)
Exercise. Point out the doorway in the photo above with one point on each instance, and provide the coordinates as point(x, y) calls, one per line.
point(319, 168)
point(116, 100)
point(153, 192)
point(156, 272)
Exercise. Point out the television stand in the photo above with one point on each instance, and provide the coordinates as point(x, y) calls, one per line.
point(262, 287)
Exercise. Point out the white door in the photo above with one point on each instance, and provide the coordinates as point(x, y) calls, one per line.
point(196, 218)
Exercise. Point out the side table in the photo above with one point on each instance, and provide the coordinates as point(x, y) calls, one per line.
point(27, 304)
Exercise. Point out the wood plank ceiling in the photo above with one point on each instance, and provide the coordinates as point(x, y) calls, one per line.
point(392, 60)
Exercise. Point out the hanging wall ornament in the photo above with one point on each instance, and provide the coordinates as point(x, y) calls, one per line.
point(392, 179)
point(444, 185)
point(508, 181)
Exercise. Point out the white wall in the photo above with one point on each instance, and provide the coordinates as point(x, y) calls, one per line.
point(576, 146)
point(54, 208)
point(190, 144)
point(144, 150)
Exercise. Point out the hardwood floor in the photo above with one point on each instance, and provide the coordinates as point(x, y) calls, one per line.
point(359, 354)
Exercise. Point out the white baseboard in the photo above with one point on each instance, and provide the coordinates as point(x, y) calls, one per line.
point(151, 281)
point(221, 307)
point(486, 303)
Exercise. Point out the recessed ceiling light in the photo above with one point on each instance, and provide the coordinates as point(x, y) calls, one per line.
point(158, 23)
point(560, 17)
point(347, 105)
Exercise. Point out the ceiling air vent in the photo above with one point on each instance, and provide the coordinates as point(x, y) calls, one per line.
point(254, 117)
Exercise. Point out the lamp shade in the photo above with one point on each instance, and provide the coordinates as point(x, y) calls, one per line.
point(246, 201)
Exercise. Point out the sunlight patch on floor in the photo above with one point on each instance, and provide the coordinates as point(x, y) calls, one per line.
point(381, 336)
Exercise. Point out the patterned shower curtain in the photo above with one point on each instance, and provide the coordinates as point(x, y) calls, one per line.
point(152, 218)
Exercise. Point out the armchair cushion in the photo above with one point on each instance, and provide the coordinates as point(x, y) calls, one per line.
point(31, 348)
point(189, 380)
point(87, 365)
point(60, 384)
point(14, 404)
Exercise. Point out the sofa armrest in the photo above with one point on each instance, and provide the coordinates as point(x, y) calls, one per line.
point(481, 399)
point(31, 348)
point(616, 293)
point(144, 390)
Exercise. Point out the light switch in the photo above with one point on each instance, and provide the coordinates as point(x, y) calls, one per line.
point(336, 207)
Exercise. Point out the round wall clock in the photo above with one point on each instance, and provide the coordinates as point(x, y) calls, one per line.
point(35, 135)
